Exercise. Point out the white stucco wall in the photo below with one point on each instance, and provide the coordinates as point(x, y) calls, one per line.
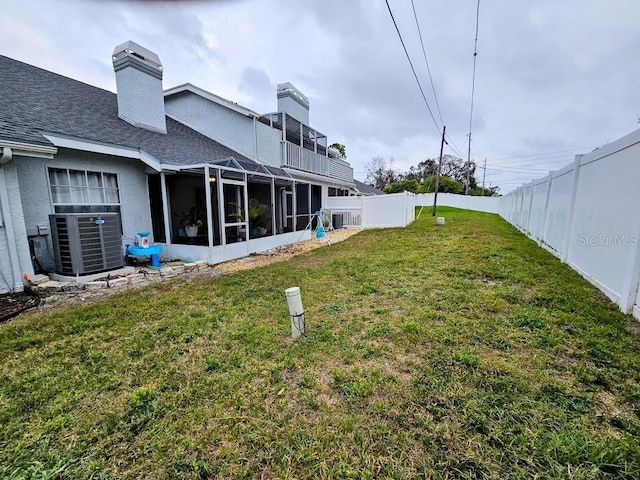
point(11, 277)
point(140, 98)
point(6, 279)
point(293, 108)
point(226, 126)
point(36, 199)
point(269, 144)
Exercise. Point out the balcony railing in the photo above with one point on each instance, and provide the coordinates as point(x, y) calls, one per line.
point(308, 161)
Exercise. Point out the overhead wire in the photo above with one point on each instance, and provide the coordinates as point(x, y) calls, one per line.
point(545, 153)
point(449, 141)
point(424, 97)
point(424, 53)
point(544, 161)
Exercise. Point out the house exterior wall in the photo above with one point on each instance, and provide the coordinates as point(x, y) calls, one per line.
point(289, 105)
point(140, 98)
point(215, 121)
point(36, 199)
point(14, 262)
point(6, 279)
point(269, 144)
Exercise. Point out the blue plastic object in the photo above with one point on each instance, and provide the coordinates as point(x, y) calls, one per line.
point(152, 251)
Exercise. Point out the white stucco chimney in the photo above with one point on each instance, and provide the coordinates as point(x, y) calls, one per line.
point(294, 102)
point(139, 87)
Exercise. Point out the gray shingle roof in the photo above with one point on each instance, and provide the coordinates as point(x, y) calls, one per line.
point(367, 189)
point(33, 100)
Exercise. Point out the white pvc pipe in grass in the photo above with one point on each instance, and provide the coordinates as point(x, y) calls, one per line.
point(296, 311)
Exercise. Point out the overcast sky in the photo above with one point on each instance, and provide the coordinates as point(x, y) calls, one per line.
point(552, 76)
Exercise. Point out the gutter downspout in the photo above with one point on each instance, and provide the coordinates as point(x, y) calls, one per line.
point(7, 156)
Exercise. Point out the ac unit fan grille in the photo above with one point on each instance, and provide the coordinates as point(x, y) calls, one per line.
point(87, 243)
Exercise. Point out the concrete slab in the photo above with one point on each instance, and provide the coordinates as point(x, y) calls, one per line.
point(39, 279)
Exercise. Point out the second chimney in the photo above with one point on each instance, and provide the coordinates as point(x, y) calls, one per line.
point(139, 87)
point(294, 102)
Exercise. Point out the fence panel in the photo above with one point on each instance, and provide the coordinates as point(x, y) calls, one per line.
point(557, 220)
point(538, 209)
point(467, 202)
point(588, 216)
point(606, 218)
point(384, 211)
point(395, 210)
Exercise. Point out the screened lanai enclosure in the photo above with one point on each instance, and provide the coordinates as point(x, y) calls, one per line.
point(228, 209)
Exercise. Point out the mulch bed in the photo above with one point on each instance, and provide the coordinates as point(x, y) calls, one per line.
point(11, 304)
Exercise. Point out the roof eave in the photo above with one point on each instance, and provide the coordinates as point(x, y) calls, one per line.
point(74, 143)
point(29, 149)
point(188, 87)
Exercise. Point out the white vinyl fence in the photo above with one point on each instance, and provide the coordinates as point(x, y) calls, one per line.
point(588, 215)
point(468, 202)
point(382, 211)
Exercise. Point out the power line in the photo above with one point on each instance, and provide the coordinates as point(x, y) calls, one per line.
point(454, 148)
point(412, 68)
point(424, 52)
point(519, 170)
point(545, 153)
point(541, 161)
point(473, 89)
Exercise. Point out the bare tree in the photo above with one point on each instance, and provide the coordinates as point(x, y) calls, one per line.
point(379, 174)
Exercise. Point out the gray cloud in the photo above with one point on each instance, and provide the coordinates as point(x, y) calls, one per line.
point(551, 75)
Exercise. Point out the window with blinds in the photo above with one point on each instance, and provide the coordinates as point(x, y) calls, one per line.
point(81, 191)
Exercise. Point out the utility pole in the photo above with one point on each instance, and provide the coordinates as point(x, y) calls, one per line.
point(435, 194)
point(484, 173)
point(466, 190)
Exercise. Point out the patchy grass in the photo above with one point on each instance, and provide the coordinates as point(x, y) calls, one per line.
point(462, 351)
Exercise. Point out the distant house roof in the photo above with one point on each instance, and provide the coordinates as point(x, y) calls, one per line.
point(367, 189)
point(35, 102)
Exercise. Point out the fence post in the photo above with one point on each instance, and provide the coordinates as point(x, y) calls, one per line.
point(543, 232)
point(632, 278)
point(528, 229)
point(520, 206)
point(569, 234)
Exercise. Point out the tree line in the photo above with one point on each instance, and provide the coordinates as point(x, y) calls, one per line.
point(421, 178)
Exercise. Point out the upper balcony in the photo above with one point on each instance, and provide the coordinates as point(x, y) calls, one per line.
point(306, 149)
point(302, 159)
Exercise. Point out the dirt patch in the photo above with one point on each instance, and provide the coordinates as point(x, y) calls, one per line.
point(262, 259)
point(285, 252)
point(11, 304)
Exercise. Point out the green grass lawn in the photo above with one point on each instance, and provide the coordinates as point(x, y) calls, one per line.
point(463, 351)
